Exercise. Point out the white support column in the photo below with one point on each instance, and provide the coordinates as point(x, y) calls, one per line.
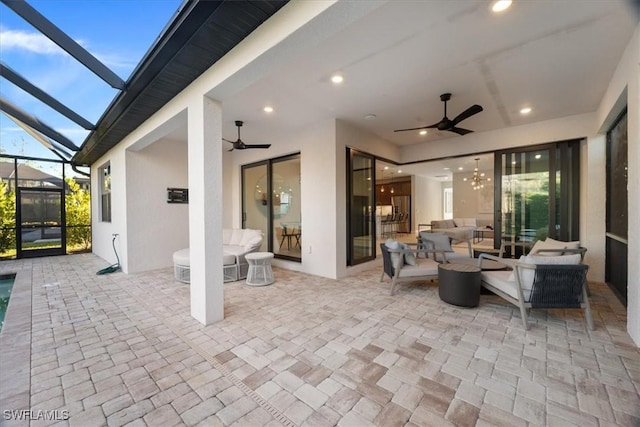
point(205, 210)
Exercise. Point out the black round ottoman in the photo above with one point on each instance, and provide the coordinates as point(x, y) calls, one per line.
point(459, 284)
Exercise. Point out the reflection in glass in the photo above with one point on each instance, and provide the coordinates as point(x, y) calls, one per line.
point(271, 203)
point(255, 214)
point(286, 208)
point(525, 197)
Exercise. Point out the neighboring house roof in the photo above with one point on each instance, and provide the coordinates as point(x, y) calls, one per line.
point(200, 34)
point(26, 172)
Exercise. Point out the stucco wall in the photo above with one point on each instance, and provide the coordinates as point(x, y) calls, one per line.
point(428, 200)
point(318, 166)
point(101, 241)
point(156, 228)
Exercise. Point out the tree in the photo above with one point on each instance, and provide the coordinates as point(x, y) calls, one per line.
point(7, 217)
point(77, 203)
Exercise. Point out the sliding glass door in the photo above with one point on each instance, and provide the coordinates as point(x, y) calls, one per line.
point(255, 200)
point(525, 196)
point(286, 228)
point(271, 203)
point(361, 229)
point(617, 209)
point(537, 195)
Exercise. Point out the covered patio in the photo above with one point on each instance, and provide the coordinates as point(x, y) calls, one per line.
point(308, 350)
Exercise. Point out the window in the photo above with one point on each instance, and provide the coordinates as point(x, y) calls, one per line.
point(448, 203)
point(104, 174)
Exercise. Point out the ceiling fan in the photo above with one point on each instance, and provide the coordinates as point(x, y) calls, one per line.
point(450, 125)
point(239, 145)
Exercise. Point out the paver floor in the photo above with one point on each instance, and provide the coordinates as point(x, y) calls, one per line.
point(122, 349)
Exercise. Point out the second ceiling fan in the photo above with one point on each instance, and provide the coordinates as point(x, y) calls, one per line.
point(446, 123)
point(239, 145)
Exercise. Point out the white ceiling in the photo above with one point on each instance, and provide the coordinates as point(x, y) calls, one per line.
point(555, 56)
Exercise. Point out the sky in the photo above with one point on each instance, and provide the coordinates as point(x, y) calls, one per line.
point(117, 32)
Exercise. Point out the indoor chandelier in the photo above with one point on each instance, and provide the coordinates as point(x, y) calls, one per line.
point(477, 178)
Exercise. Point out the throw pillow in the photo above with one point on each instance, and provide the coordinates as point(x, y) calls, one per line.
point(397, 260)
point(409, 257)
point(566, 245)
point(539, 244)
point(550, 243)
point(459, 222)
point(470, 222)
point(449, 223)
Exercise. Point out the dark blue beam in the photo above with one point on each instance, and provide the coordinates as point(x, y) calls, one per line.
point(27, 86)
point(59, 37)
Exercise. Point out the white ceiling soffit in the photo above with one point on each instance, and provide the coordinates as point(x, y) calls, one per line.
point(557, 57)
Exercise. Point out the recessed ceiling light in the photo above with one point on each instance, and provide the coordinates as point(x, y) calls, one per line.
point(268, 109)
point(500, 5)
point(399, 170)
point(538, 156)
point(423, 132)
point(370, 117)
point(460, 168)
point(337, 78)
point(446, 169)
point(513, 163)
point(386, 168)
point(525, 110)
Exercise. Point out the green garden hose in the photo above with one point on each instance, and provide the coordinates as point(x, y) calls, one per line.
point(114, 267)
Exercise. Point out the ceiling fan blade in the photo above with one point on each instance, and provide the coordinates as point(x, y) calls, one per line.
point(403, 130)
point(474, 109)
point(231, 149)
point(435, 125)
point(257, 145)
point(460, 131)
point(233, 142)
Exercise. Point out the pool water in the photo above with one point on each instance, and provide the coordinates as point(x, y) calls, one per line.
point(6, 283)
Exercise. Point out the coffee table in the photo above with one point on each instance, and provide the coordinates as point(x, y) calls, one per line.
point(487, 264)
point(459, 284)
point(478, 234)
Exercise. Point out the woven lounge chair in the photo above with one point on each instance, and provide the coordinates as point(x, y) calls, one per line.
point(542, 282)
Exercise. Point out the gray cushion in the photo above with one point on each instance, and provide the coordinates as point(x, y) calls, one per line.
point(397, 260)
point(409, 258)
point(440, 241)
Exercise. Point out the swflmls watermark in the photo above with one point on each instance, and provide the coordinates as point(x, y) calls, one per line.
point(40, 414)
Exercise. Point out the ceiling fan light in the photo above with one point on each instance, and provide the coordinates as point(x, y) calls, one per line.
point(337, 79)
point(423, 132)
point(500, 5)
point(268, 109)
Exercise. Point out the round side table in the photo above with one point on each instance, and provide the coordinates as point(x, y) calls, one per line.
point(260, 272)
point(459, 284)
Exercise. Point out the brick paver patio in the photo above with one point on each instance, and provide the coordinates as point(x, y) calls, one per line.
point(308, 351)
